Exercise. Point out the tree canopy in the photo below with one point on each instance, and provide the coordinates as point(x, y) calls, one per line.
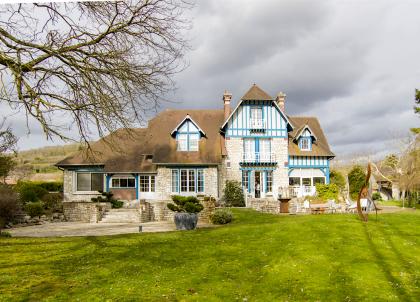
point(90, 65)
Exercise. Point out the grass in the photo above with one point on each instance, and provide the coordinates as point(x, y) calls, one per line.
point(259, 257)
point(399, 203)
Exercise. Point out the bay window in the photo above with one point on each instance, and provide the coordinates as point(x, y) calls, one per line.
point(187, 180)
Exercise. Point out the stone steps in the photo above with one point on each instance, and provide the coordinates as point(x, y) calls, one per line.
point(121, 216)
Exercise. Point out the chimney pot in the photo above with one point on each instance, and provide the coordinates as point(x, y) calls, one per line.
point(227, 97)
point(281, 100)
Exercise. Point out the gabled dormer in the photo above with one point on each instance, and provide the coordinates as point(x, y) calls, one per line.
point(188, 134)
point(305, 137)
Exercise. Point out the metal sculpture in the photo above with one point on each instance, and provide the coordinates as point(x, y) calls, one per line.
point(365, 193)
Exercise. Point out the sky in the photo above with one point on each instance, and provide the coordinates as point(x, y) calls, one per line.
point(352, 64)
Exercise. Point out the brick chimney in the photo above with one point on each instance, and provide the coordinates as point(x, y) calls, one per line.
point(227, 97)
point(280, 100)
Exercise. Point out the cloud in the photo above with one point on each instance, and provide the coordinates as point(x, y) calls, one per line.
point(352, 64)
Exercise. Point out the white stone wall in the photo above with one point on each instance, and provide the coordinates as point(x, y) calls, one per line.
point(280, 175)
point(69, 189)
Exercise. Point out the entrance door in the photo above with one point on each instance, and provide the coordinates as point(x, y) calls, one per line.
point(258, 185)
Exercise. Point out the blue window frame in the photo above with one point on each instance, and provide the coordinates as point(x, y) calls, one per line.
point(188, 137)
point(185, 180)
point(305, 143)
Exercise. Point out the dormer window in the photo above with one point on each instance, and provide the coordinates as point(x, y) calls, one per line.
point(305, 143)
point(187, 135)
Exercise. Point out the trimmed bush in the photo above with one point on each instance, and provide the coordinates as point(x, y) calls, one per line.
point(50, 186)
point(357, 179)
point(233, 194)
point(108, 197)
point(184, 204)
point(34, 209)
point(326, 192)
point(221, 216)
point(376, 196)
point(53, 202)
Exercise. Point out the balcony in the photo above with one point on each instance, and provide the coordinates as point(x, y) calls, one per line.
point(296, 191)
point(258, 124)
point(258, 157)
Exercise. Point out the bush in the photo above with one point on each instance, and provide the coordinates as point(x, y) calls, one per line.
point(53, 202)
point(326, 192)
point(30, 192)
point(9, 204)
point(221, 216)
point(376, 196)
point(34, 209)
point(233, 194)
point(184, 204)
point(50, 186)
point(337, 178)
point(5, 234)
point(108, 197)
point(357, 179)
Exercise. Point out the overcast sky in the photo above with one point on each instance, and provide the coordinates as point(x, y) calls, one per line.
point(353, 64)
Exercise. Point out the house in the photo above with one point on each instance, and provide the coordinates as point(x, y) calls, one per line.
point(193, 152)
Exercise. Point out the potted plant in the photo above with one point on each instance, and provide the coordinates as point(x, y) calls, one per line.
point(186, 211)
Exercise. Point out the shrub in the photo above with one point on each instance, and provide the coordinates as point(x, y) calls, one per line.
point(34, 209)
point(357, 179)
point(376, 196)
point(5, 234)
point(337, 178)
point(53, 202)
point(50, 186)
point(188, 204)
point(9, 204)
point(326, 192)
point(108, 197)
point(30, 192)
point(221, 216)
point(233, 194)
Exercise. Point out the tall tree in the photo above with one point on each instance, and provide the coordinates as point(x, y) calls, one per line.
point(416, 109)
point(100, 64)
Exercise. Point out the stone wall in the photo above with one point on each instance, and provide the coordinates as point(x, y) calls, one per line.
point(280, 174)
point(84, 211)
point(124, 194)
point(268, 205)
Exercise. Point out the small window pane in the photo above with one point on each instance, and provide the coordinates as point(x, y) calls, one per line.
point(97, 182)
point(294, 181)
point(304, 143)
point(115, 182)
point(269, 181)
point(83, 181)
point(191, 180)
point(200, 181)
point(184, 181)
point(194, 142)
point(245, 179)
point(123, 182)
point(175, 177)
point(306, 181)
point(131, 183)
point(319, 180)
point(152, 183)
point(182, 142)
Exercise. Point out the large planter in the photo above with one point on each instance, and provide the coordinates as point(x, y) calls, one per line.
point(186, 221)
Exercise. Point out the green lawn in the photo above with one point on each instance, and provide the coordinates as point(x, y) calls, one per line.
point(259, 257)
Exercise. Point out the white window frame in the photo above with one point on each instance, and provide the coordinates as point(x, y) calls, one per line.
point(307, 140)
point(149, 177)
point(119, 181)
point(75, 190)
point(188, 179)
point(269, 172)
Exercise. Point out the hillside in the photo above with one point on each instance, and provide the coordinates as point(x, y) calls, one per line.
point(38, 164)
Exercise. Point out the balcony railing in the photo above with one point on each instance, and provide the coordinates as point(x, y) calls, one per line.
point(258, 123)
point(258, 157)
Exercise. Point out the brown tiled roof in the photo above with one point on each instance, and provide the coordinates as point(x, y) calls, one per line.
point(255, 93)
point(141, 149)
point(320, 146)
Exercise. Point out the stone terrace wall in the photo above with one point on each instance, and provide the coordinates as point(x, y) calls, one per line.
point(84, 211)
point(265, 205)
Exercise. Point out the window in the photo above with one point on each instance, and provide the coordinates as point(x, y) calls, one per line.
point(188, 180)
point(182, 142)
point(175, 180)
point(200, 181)
point(269, 181)
point(147, 183)
point(245, 180)
point(256, 113)
point(123, 182)
point(193, 142)
point(305, 143)
point(90, 182)
point(188, 141)
point(306, 181)
point(319, 180)
point(294, 181)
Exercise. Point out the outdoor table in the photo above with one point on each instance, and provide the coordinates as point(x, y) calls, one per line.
point(318, 208)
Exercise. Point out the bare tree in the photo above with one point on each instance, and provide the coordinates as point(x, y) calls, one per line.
point(103, 64)
point(8, 140)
